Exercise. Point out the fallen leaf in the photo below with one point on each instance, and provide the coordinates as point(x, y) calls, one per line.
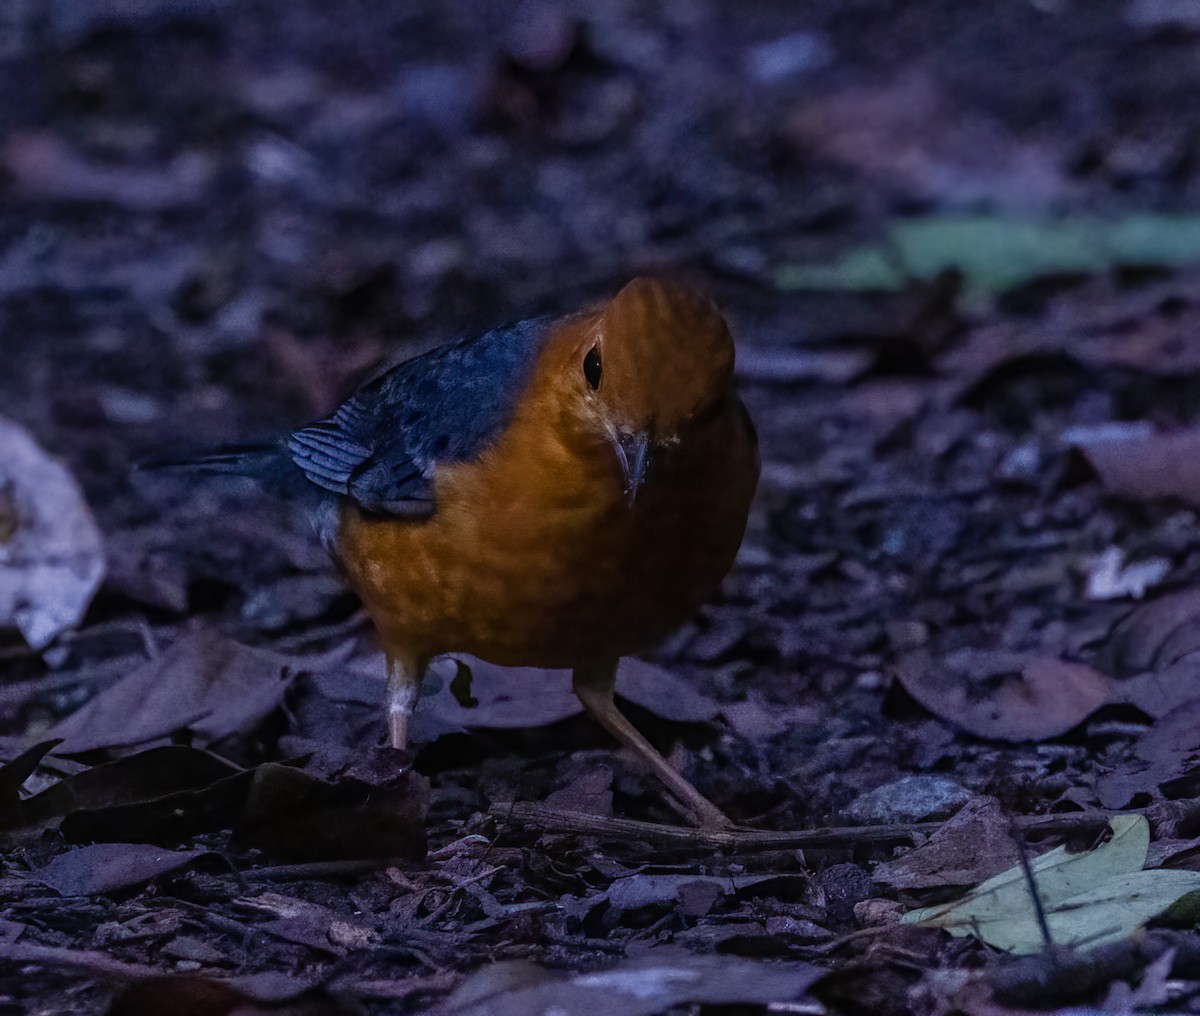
point(1156, 651)
point(519, 698)
point(293, 814)
point(205, 684)
point(639, 890)
point(1158, 693)
point(321, 369)
point(44, 166)
point(500, 698)
point(276, 994)
point(13, 775)
point(1154, 636)
point(990, 698)
point(1159, 14)
point(1110, 577)
point(140, 569)
point(310, 924)
point(663, 979)
point(161, 795)
point(974, 845)
point(167, 819)
point(1089, 899)
point(1165, 752)
point(912, 132)
point(995, 253)
point(1100, 325)
point(787, 366)
point(663, 693)
point(51, 551)
point(1143, 464)
point(108, 867)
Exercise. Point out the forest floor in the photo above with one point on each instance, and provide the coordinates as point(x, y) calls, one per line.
point(956, 248)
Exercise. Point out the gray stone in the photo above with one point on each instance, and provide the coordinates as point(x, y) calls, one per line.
point(910, 799)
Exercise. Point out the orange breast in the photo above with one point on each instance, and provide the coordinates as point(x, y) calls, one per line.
point(533, 557)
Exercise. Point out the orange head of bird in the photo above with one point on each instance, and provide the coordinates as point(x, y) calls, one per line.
point(641, 370)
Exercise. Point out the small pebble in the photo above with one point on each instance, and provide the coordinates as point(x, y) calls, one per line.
point(910, 799)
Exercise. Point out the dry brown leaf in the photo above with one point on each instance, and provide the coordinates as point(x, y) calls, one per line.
point(665, 977)
point(205, 683)
point(1156, 649)
point(1154, 636)
point(974, 845)
point(51, 552)
point(293, 814)
point(465, 693)
point(1138, 463)
point(1157, 694)
point(45, 166)
point(270, 993)
point(161, 795)
point(909, 131)
point(108, 867)
point(1046, 697)
point(1166, 751)
point(16, 771)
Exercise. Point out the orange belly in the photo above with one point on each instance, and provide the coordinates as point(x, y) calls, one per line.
point(534, 557)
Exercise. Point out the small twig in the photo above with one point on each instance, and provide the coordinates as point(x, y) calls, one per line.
point(1018, 837)
point(549, 819)
point(79, 959)
point(316, 869)
point(17, 693)
point(388, 989)
point(446, 904)
point(149, 642)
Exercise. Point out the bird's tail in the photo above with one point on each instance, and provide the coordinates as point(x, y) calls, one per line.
point(267, 466)
point(256, 461)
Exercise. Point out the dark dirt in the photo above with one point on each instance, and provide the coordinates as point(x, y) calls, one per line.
point(216, 217)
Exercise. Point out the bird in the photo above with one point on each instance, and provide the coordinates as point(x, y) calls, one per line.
point(555, 493)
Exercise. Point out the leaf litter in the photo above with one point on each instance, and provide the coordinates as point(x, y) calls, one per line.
point(935, 615)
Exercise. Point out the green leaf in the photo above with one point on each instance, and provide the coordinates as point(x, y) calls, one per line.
point(863, 270)
point(1116, 908)
point(995, 253)
point(1089, 899)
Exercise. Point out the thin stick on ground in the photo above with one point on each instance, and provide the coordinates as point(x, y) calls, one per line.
point(1018, 837)
point(540, 816)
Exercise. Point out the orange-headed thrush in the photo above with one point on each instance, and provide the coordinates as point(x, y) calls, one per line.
point(554, 493)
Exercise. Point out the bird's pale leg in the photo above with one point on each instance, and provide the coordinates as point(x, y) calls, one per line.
point(594, 686)
point(400, 699)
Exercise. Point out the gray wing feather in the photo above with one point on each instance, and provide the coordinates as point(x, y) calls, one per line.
point(381, 447)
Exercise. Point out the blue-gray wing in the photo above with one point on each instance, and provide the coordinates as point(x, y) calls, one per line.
point(380, 447)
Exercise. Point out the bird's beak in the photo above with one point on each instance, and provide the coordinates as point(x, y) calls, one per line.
point(633, 453)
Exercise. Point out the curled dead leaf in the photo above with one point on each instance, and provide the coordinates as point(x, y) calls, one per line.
point(1154, 636)
point(1140, 463)
point(1165, 752)
point(974, 845)
point(51, 552)
point(162, 795)
point(375, 809)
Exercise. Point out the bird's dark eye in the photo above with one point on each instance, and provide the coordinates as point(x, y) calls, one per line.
point(591, 368)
